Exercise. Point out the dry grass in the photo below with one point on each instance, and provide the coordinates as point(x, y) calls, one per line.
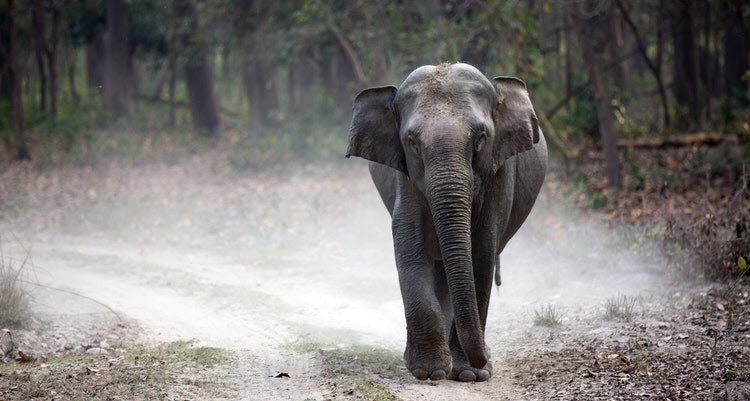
point(171, 371)
point(621, 307)
point(547, 316)
point(14, 298)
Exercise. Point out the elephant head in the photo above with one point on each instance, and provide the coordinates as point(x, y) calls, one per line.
point(447, 128)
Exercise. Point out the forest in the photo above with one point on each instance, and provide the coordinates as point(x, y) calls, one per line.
point(178, 219)
point(283, 74)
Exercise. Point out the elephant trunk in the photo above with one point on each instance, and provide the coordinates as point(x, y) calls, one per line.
point(449, 191)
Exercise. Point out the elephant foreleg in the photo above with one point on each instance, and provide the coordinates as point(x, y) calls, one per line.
point(427, 354)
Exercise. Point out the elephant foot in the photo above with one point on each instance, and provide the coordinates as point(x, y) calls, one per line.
point(466, 373)
point(424, 365)
point(469, 374)
point(463, 371)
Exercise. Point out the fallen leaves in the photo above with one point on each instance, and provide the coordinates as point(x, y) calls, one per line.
point(694, 354)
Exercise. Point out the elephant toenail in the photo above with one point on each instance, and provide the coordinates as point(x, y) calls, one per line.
point(438, 375)
point(420, 374)
point(467, 376)
point(482, 375)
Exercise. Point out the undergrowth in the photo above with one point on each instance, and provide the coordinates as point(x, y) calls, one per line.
point(14, 298)
point(547, 316)
point(621, 307)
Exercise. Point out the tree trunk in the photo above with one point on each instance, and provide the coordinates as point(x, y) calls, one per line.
point(118, 69)
point(54, 85)
point(708, 62)
point(172, 66)
point(606, 127)
point(568, 63)
point(201, 97)
point(685, 62)
point(75, 96)
point(338, 77)
point(252, 93)
point(94, 57)
point(22, 150)
point(6, 84)
point(616, 44)
point(260, 90)
point(198, 71)
point(40, 49)
point(736, 49)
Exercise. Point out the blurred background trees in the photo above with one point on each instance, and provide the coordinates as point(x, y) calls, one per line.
point(281, 75)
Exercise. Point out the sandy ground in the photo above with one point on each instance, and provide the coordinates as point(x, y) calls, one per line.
point(269, 263)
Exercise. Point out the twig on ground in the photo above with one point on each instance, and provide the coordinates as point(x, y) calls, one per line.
point(109, 308)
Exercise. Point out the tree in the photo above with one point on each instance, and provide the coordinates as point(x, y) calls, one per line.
point(118, 90)
point(94, 66)
point(14, 72)
point(736, 49)
point(41, 49)
point(51, 50)
point(198, 71)
point(601, 97)
point(616, 45)
point(685, 62)
point(655, 67)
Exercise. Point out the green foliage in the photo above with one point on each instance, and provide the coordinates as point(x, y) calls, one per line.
point(85, 20)
point(149, 27)
point(328, 50)
point(598, 200)
point(578, 123)
point(637, 177)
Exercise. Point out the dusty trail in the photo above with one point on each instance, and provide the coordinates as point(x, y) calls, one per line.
point(259, 262)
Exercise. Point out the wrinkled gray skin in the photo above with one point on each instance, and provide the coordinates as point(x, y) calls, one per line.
point(458, 161)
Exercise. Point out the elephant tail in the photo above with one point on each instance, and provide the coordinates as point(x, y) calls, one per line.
point(498, 280)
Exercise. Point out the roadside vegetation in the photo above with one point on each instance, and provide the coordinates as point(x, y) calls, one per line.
point(620, 308)
point(142, 372)
point(14, 296)
point(358, 371)
point(547, 316)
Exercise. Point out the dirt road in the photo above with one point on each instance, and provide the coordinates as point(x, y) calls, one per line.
point(281, 264)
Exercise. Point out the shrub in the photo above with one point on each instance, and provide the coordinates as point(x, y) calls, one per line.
point(716, 246)
point(547, 316)
point(14, 305)
point(621, 307)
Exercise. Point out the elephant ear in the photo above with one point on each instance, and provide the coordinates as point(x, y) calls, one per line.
point(516, 124)
point(374, 131)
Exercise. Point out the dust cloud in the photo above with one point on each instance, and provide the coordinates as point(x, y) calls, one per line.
point(261, 260)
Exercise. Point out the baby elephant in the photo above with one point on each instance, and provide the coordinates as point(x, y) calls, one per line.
point(458, 161)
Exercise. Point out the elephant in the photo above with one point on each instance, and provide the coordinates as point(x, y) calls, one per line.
point(458, 161)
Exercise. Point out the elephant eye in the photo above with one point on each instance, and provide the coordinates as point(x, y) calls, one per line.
point(480, 137)
point(412, 144)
